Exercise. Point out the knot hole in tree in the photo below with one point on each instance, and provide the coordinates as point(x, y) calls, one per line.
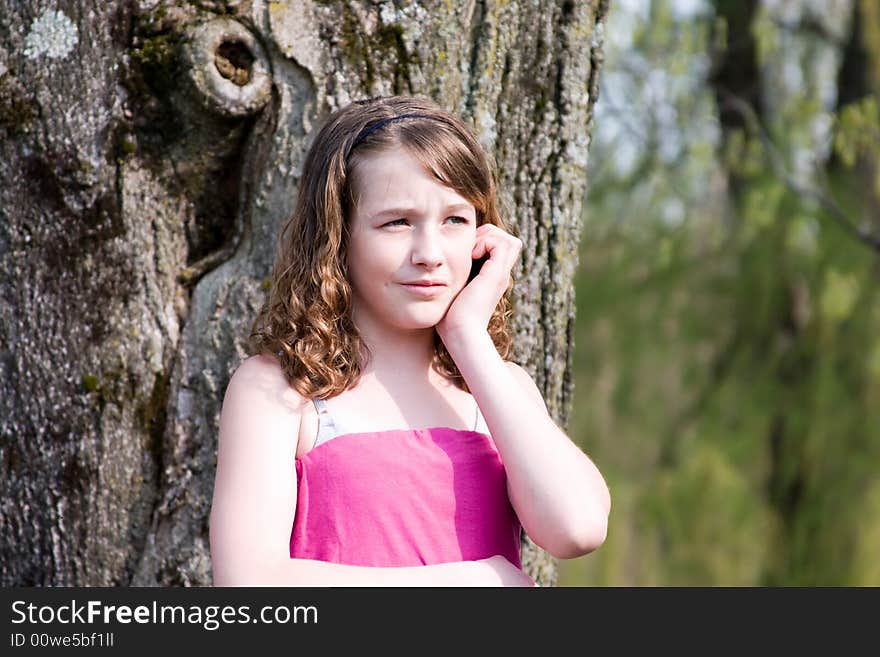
point(230, 71)
point(234, 60)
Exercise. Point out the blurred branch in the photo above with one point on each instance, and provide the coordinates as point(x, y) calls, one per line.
point(777, 162)
point(810, 26)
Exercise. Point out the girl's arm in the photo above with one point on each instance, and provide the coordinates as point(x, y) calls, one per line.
point(560, 496)
point(255, 500)
point(495, 571)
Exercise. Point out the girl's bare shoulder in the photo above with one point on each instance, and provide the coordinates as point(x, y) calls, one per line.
point(261, 381)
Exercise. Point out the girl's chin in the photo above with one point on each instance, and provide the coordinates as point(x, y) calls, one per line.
point(415, 323)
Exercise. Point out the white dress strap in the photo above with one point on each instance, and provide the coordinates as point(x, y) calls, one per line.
point(480, 422)
point(327, 426)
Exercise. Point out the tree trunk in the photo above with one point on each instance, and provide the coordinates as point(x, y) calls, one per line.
point(148, 154)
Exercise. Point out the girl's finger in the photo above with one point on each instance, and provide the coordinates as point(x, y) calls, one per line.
point(479, 248)
point(488, 229)
point(498, 246)
point(487, 245)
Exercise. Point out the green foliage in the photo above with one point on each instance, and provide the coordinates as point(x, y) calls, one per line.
point(857, 130)
point(838, 297)
point(710, 516)
point(727, 367)
point(743, 154)
point(732, 396)
point(857, 136)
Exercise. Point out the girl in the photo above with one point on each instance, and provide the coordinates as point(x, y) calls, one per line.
point(378, 436)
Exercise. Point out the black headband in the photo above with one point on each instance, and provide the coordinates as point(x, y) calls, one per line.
point(378, 124)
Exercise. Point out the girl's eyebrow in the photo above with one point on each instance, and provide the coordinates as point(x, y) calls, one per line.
point(455, 207)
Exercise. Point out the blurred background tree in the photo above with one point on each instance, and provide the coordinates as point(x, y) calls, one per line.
point(727, 352)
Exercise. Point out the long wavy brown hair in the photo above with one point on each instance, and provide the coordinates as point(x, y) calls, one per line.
point(306, 320)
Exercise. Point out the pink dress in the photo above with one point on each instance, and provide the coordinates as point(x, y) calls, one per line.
point(404, 497)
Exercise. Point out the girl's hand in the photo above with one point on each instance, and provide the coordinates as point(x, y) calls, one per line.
point(473, 306)
point(506, 573)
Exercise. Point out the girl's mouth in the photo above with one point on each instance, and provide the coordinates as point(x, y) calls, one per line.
point(423, 290)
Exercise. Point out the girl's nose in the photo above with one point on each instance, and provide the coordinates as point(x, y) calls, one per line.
point(426, 248)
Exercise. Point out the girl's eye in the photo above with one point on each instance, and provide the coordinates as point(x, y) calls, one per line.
point(396, 222)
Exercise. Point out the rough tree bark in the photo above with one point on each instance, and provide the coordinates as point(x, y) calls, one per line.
point(148, 153)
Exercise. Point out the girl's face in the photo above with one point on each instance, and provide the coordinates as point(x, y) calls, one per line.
point(407, 229)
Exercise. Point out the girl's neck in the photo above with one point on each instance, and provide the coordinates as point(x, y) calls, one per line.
point(398, 355)
point(405, 356)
